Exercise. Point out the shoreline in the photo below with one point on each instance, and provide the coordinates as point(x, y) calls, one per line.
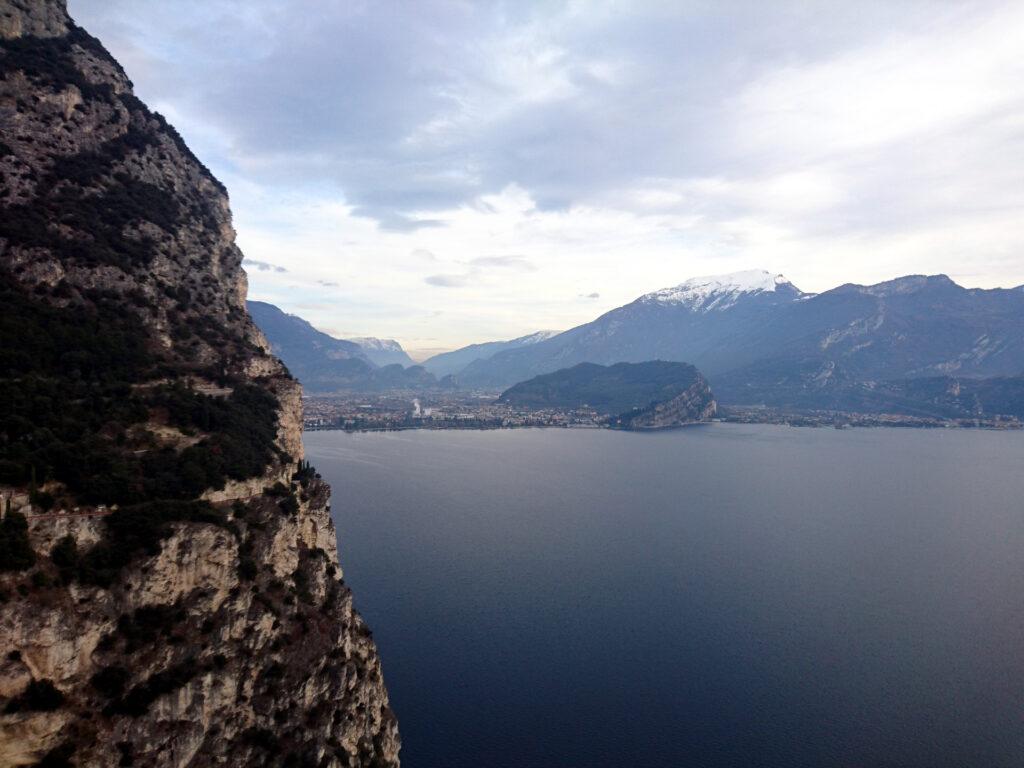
point(796, 422)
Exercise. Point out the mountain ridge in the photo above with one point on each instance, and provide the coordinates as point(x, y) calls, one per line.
point(454, 361)
point(720, 292)
point(325, 364)
point(649, 395)
point(383, 352)
point(760, 346)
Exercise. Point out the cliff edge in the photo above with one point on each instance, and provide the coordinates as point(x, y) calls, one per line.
point(651, 395)
point(168, 566)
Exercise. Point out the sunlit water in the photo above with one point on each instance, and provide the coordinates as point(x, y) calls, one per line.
point(713, 596)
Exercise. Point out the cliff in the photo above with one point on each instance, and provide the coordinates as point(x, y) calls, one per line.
point(647, 395)
point(168, 566)
point(692, 406)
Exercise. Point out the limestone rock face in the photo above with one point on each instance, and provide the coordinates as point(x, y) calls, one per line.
point(230, 641)
point(648, 395)
point(693, 406)
point(33, 17)
point(274, 666)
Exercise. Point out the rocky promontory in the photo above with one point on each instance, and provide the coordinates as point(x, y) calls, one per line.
point(649, 395)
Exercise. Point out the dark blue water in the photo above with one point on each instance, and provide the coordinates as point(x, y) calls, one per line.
point(719, 596)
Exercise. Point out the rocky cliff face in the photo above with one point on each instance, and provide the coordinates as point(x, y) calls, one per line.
point(693, 406)
point(168, 565)
point(647, 395)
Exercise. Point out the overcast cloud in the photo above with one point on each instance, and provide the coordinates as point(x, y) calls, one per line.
point(453, 172)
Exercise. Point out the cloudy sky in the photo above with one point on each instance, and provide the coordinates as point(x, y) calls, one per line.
point(451, 172)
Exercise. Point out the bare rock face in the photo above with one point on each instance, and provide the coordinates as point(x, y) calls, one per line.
point(31, 17)
point(693, 406)
point(176, 599)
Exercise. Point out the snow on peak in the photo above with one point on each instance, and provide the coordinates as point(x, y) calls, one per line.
point(535, 338)
point(384, 345)
point(718, 291)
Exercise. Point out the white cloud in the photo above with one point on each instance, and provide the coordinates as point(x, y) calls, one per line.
point(475, 171)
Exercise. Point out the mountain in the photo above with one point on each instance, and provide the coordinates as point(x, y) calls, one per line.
point(169, 573)
point(760, 340)
point(943, 397)
point(324, 364)
point(451, 363)
point(636, 395)
point(305, 345)
point(383, 351)
point(816, 353)
point(697, 321)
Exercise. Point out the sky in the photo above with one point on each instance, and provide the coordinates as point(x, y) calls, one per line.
point(445, 173)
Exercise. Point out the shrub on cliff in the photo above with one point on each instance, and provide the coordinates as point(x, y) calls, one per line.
point(38, 696)
point(16, 552)
point(139, 530)
point(65, 556)
point(68, 399)
point(136, 702)
point(111, 681)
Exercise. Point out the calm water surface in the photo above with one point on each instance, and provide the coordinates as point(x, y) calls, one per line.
point(716, 596)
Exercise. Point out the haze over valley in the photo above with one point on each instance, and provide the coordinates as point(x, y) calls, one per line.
point(918, 346)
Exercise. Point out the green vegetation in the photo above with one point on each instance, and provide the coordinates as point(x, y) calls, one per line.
point(135, 104)
point(72, 411)
point(145, 625)
point(247, 568)
point(58, 757)
point(304, 474)
point(301, 579)
point(286, 497)
point(139, 530)
point(38, 696)
point(66, 377)
point(614, 389)
point(84, 194)
point(136, 702)
point(67, 403)
point(77, 366)
point(49, 61)
point(111, 681)
point(15, 550)
point(239, 446)
point(65, 556)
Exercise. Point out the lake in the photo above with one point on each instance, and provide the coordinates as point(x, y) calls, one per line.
point(722, 595)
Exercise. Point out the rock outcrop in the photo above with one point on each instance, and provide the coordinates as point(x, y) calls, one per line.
point(649, 395)
point(168, 566)
point(693, 406)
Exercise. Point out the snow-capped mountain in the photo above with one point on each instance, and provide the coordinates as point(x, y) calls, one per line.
point(453, 362)
point(899, 346)
point(637, 332)
point(383, 351)
point(326, 364)
point(534, 338)
point(759, 339)
point(719, 292)
point(692, 321)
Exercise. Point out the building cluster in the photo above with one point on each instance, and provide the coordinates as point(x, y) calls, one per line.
point(843, 419)
point(366, 412)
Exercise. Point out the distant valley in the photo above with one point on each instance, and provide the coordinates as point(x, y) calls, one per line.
point(326, 364)
point(920, 346)
point(454, 362)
